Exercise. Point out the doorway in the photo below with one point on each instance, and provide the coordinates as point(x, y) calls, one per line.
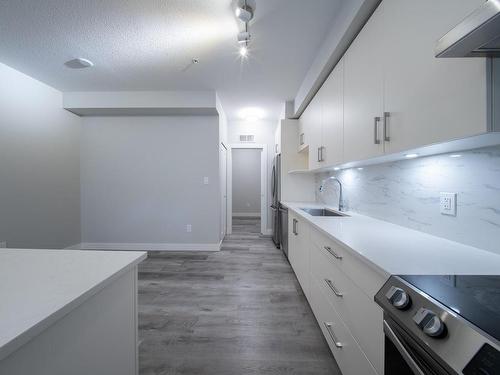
point(246, 188)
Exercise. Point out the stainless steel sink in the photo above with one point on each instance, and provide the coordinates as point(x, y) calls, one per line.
point(322, 212)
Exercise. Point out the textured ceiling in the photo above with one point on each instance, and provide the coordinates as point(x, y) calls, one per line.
point(149, 45)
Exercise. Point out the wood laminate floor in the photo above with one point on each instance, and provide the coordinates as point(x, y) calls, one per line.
point(238, 311)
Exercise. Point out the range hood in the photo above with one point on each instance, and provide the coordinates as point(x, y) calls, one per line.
point(478, 35)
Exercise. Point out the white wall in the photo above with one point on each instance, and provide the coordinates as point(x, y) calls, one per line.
point(264, 134)
point(246, 181)
point(39, 165)
point(142, 180)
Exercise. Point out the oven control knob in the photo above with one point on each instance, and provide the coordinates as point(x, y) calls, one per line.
point(429, 322)
point(398, 298)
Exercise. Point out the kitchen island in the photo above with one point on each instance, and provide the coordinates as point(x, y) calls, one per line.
point(68, 312)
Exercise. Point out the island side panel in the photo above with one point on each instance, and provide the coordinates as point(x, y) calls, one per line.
point(98, 337)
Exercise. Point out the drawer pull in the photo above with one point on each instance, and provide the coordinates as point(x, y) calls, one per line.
point(330, 250)
point(328, 327)
point(332, 287)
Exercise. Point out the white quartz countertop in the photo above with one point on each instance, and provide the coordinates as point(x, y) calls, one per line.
point(38, 287)
point(396, 250)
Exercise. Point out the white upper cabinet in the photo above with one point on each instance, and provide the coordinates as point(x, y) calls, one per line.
point(428, 100)
point(363, 91)
point(390, 94)
point(332, 130)
point(313, 134)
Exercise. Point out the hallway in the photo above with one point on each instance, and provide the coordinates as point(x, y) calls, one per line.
point(234, 312)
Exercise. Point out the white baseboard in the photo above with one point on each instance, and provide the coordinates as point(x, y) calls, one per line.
point(246, 214)
point(147, 246)
point(268, 232)
point(77, 246)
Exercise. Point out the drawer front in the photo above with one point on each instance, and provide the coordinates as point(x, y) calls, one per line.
point(358, 312)
point(346, 351)
point(360, 273)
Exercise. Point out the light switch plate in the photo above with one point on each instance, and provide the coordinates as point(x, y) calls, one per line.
point(189, 228)
point(205, 180)
point(448, 203)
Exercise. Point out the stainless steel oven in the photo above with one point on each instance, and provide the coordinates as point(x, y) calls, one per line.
point(427, 336)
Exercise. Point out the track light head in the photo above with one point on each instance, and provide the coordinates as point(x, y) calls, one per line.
point(243, 37)
point(244, 13)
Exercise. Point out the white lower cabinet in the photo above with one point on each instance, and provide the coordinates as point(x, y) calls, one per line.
point(347, 353)
point(298, 249)
point(340, 289)
point(358, 311)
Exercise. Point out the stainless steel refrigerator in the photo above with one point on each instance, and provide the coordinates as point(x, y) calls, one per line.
point(275, 203)
point(279, 214)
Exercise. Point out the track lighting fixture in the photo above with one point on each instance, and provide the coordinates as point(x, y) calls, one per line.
point(244, 13)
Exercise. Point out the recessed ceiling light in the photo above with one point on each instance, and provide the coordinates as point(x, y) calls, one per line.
point(455, 156)
point(336, 169)
point(360, 168)
point(79, 63)
point(411, 156)
point(252, 114)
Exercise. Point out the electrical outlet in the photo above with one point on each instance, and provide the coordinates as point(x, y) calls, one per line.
point(189, 228)
point(448, 203)
point(3, 244)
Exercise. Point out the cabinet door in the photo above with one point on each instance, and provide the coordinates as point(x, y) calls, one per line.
point(333, 117)
point(429, 100)
point(363, 91)
point(293, 241)
point(304, 123)
point(314, 131)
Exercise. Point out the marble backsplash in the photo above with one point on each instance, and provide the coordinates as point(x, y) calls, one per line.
point(406, 193)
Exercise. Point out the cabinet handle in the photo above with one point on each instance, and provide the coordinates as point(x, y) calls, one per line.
point(332, 287)
point(295, 227)
point(330, 250)
point(328, 327)
point(319, 157)
point(321, 152)
point(301, 139)
point(375, 130)
point(387, 138)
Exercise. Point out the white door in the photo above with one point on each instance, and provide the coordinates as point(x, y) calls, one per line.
point(363, 90)
point(333, 117)
point(429, 100)
point(223, 184)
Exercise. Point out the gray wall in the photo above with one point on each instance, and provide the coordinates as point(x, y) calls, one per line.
point(142, 179)
point(264, 134)
point(407, 193)
point(246, 181)
point(39, 165)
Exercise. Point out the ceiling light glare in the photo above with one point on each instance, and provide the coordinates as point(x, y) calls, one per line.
point(411, 156)
point(336, 169)
point(455, 156)
point(252, 114)
point(360, 168)
point(243, 51)
point(244, 13)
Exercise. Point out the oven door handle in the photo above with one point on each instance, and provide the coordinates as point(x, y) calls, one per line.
point(402, 350)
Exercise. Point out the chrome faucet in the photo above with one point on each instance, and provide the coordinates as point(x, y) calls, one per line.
point(341, 200)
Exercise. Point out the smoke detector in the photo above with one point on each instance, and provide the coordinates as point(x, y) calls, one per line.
point(79, 63)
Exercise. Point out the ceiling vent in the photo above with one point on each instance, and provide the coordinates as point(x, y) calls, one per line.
point(247, 138)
